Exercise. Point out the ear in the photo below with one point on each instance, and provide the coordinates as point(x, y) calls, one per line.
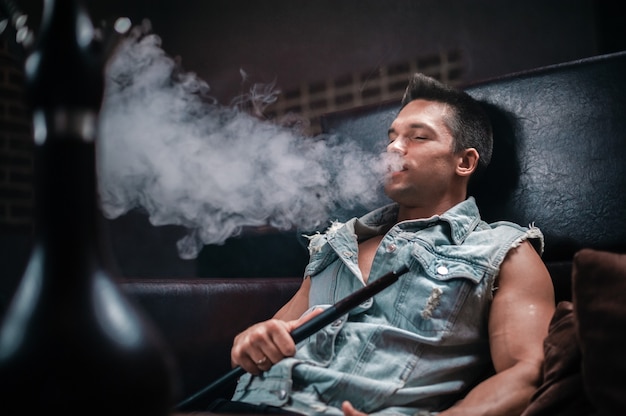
point(467, 162)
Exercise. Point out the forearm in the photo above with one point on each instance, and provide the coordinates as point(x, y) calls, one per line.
point(297, 305)
point(506, 393)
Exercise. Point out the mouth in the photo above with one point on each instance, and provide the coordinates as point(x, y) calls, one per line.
point(396, 173)
point(394, 163)
point(391, 169)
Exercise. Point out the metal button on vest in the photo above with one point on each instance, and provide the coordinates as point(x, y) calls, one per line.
point(281, 394)
point(442, 270)
point(337, 323)
point(391, 248)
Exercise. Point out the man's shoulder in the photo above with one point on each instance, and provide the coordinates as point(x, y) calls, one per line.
point(504, 225)
point(516, 233)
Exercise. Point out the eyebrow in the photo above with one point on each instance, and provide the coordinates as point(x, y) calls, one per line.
point(413, 126)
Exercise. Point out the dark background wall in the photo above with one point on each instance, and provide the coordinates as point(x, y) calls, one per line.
point(299, 42)
point(307, 40)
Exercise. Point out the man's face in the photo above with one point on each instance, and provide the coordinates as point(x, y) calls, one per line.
point(424, 143)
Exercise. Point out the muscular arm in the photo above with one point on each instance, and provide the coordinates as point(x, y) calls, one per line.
point(297, 305)
point(518, 323)
point(271, 339)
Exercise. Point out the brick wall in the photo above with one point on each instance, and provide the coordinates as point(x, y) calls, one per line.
point(385, 83)
point(16, 145)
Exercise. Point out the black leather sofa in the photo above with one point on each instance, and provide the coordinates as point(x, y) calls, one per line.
point(559, 162)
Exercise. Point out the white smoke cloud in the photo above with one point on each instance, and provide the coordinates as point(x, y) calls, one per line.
point(167, 147)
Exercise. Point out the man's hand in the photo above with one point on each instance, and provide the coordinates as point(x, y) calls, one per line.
point(349, 410)
point(264, 344)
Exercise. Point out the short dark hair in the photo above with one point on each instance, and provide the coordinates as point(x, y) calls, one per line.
point(469, 123)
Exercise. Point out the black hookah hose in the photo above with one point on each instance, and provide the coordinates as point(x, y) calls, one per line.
point(328, 316)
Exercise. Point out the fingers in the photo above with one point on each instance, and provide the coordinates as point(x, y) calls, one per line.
point(263, 364)
point(304, 318)
point(349, 410)
point(262, 345)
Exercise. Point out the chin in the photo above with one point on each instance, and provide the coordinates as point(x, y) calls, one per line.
point(393, 192)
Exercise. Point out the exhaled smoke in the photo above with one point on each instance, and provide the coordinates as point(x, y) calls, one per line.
point(169, 149)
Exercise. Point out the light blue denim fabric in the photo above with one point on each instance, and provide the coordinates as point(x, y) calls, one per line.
point(421, 343)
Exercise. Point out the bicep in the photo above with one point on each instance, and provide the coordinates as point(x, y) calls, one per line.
point(521, 310)
point(298, 304)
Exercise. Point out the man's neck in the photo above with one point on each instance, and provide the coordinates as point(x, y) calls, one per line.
point(417, 212)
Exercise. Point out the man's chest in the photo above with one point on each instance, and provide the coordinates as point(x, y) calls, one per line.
point(367, 251)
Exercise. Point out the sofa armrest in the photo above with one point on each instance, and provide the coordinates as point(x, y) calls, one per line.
point(198, 319)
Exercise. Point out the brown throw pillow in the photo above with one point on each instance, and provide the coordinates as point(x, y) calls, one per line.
point(561, 392)
point(599, 298)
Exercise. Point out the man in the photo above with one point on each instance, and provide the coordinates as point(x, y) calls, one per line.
point(460, 333)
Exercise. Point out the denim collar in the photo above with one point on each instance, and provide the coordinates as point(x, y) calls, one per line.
point(462, 218)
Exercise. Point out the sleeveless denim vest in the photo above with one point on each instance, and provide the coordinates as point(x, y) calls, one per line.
point(421, 343)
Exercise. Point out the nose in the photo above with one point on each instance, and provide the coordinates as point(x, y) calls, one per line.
point(397, 146)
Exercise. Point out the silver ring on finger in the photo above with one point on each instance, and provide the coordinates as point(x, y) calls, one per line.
point(261, 361)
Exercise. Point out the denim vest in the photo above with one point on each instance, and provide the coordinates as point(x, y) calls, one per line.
point(421, 343)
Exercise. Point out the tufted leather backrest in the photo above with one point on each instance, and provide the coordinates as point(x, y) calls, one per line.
point(559, 154)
